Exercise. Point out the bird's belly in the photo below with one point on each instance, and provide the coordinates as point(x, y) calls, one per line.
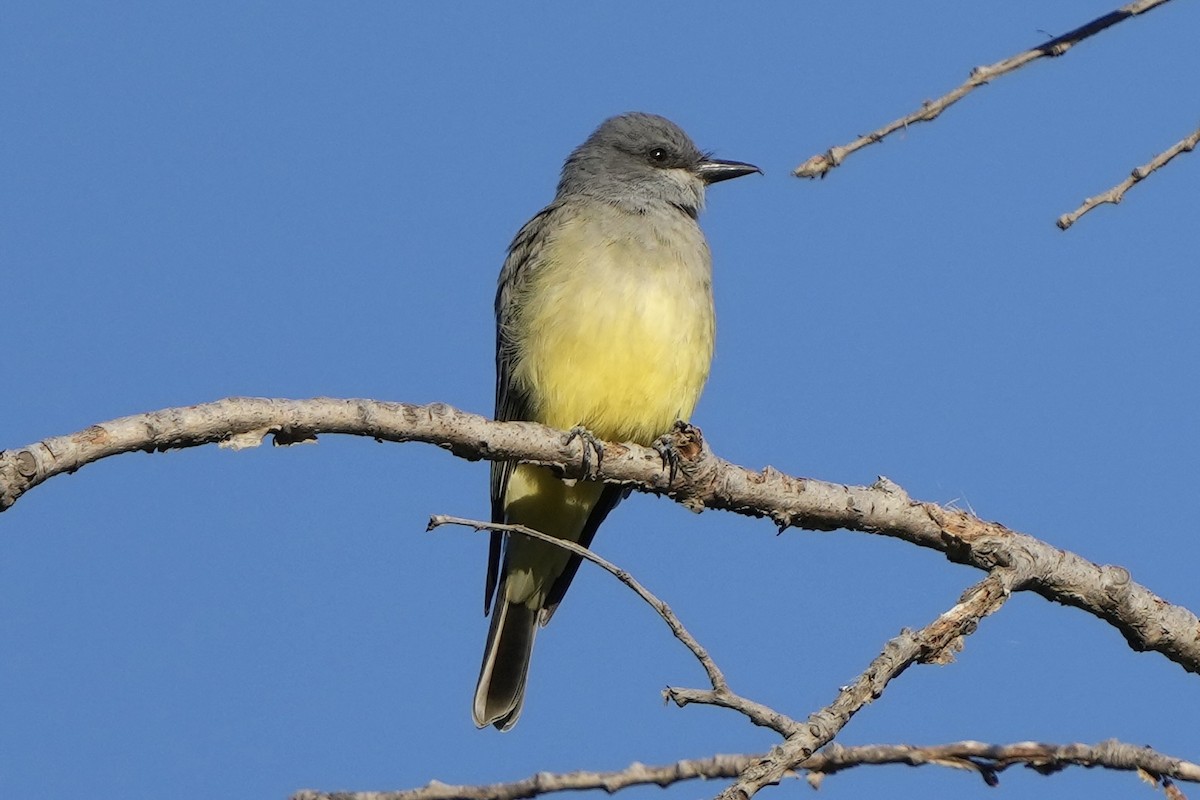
point(625, 353)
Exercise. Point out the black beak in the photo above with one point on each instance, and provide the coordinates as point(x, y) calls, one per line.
point(714, 170)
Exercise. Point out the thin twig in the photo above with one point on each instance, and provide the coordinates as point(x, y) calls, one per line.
point(1116, 193)
point(820, 165)
point(935, 643)
point(720, 694)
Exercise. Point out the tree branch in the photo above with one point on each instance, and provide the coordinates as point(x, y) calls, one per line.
point(721, 694)
point(987, 759)
point(1116, 193)
point(820, 165)
point(990, 759)
point(936, 643)
point(703, 481)
point(547, 782)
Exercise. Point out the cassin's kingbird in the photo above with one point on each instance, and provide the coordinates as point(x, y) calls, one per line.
point(604, 320)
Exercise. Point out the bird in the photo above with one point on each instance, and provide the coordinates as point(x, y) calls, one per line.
point(605, 327)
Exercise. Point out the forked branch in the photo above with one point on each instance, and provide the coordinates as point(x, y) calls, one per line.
point(936, 643)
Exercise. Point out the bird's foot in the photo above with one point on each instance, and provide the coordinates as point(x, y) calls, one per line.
point(669, 453)
point(683, 443)
point(590, 445)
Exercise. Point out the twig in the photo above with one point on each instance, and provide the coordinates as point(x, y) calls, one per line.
point(720, 695)
point(819, 165)
point(1116, 193)
point(935, 643)
point(703, 480)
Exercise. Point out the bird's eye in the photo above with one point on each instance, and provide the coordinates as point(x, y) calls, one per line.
point(658, 155)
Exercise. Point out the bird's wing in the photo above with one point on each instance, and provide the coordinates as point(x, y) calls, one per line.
point(512, 403)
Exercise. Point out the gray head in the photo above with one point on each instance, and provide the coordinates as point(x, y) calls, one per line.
point(642, 160)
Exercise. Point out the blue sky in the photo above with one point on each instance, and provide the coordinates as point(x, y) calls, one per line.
point(291, 200)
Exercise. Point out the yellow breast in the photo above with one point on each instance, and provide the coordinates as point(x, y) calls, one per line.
point(616, 328)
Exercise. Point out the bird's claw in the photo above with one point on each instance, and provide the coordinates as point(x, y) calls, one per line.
point(590, 445)
point(671, 460)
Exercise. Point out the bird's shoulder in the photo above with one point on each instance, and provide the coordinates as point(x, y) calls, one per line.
point(529, 241)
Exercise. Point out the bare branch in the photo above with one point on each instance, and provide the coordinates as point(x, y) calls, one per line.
point(820, 165)
point(990, 759)
point(721, 694)
point(936, 643)
point(703, 481)
point(1045, 758)
point(546, 782)
point(1116, 193)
